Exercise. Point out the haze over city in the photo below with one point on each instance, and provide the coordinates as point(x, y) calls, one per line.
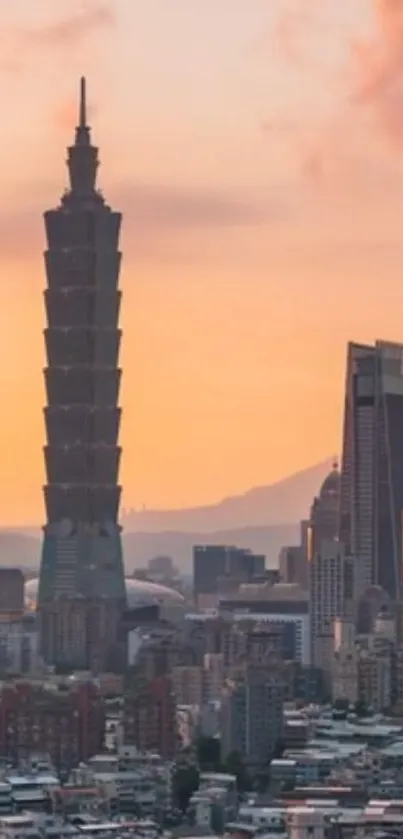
point(255, 149)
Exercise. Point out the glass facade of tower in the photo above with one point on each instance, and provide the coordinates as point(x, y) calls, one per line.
point(82, 555)
point(371, 505)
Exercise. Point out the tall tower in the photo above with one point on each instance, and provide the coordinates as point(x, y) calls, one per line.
point(371, 501)
point(82, 561)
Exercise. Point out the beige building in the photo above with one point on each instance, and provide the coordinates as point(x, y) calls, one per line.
point(375, 679)
point(214, 675)
point(188, 685)
point(345, 661)
point(326, 590)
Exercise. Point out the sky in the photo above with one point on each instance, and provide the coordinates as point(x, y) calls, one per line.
point(255, 149)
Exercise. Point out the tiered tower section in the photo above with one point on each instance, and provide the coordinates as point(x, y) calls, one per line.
point(82, 555)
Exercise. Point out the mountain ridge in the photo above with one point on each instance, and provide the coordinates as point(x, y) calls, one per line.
point(23, 551)
point(262, 519)
point(286, 501)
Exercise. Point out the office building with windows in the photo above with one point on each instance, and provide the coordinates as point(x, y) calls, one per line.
point(371, 494)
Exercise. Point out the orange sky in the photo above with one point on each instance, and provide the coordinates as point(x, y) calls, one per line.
point(254, 147)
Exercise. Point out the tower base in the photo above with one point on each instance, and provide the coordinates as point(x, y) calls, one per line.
point(86, 562)
point(79, 634)
point(81, 595)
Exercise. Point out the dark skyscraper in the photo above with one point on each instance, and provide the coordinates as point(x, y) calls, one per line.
point(82, 555)
point(220, 568)
point(371, 502)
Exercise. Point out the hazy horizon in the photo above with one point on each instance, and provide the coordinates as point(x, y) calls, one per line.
point(127, 512)
point(255, 151)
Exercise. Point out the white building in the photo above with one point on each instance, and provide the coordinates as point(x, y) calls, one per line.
point(19, 646)
point(326, 590)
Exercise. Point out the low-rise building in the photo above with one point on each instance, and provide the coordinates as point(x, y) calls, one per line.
point(129, 781)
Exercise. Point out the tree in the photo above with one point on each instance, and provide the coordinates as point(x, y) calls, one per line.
point(208, 751)
point(340, 708)
point(185, 781)
point(279, 748)
point(234, 765)
point(361, 709)
point(261, 779)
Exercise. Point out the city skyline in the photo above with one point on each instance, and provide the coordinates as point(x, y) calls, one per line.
point(237, 200)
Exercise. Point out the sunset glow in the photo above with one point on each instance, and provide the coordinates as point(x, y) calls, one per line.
point(255, 149)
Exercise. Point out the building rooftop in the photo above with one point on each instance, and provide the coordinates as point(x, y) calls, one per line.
point(331, 484)
point(139, 592)
point(265, 591)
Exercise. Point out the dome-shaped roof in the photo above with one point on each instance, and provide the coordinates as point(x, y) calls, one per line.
point(137, 589)
point(331, 484)
point(139, 592)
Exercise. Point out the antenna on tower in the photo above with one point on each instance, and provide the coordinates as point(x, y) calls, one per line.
point(83, 104)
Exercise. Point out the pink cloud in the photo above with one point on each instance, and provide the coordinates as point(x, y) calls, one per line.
point(378, 66)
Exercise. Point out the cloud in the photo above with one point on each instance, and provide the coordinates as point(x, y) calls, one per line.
point(350, 150)
point(378, 64)
point(76, 22)
point(159, 221)
point(292, 28)
point(340, 149)
point(82, 20)
point(370, 84)
point(162, 207)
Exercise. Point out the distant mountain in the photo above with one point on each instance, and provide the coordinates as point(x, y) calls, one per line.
point(140, 547)
point(262, 519)
point(19, 550)
point(288, 500)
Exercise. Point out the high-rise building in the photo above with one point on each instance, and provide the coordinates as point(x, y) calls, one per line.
point(283, 605)
point(327, 599)
point(345, 661)
point(149, 717)
point(11, 591)
point(323, 523)
point(220, 568)
point(252, 715)
point(371, 503)
point(189, 685)
point(375, 678)
point(292, 565)
point(82, 554)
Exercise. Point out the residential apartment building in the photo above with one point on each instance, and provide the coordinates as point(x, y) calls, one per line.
point(252, 715)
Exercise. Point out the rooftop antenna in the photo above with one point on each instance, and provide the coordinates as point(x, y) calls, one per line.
point(83, 104)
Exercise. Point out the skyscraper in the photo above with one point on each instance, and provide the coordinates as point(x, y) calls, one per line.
point(371, 502)
point(82, 565)
point(219, 568)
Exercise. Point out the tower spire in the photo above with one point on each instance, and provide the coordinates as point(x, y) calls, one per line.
point(82, 130)
point(82, 122)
